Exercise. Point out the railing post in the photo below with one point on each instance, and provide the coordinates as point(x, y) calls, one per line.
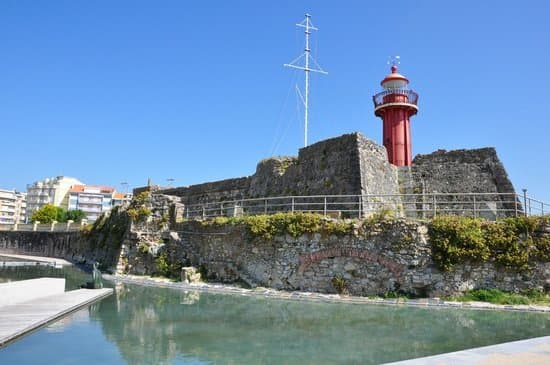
point(516, 205)
point(69, 222)
point(292, 205)
point(221, 209)
point(475, 212)
point(265, 206)
point(541, 208)
point(325, 207)
point(434, 204)
point(359, 208)
point(35, 225)
point(16, 224)
point(524, 201)
point(52, 227)
point(203, 211)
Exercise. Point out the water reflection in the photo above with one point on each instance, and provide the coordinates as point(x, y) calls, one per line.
point(152, 325)
point(73, 276)
point(146, 325)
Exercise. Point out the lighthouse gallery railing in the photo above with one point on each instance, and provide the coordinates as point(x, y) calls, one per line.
point(412, 97)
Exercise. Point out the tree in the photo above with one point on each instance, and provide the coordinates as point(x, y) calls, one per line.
point(61, 215)
point(76, 215)
point(46, 214)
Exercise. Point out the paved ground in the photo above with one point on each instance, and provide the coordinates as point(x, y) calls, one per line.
point(13, 292)
point(535, 351)
point(19, 319)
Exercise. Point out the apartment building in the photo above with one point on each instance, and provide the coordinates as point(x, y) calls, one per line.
point(92, 200)
point(121, 199)
point(49, 191)
point(12, 207)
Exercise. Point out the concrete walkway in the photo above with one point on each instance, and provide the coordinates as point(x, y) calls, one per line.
point(51, 260)
point(535, 351)
point(19, 319)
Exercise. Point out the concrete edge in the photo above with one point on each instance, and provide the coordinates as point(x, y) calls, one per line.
point(320, 297)
point(57, 261)
point(478, 355)
point(105, 292)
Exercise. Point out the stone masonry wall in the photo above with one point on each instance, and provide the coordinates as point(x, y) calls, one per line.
point(375, 259)
point(391, 256)
point(462, 171)
point(67, 245)
point(473, 171)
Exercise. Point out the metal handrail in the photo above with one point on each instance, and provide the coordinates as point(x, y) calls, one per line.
point(488, 205)
point(412, 97)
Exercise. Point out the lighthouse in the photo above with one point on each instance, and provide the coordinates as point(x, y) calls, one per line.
point(395, 105)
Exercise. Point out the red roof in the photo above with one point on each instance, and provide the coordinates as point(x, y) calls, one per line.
point(394, 76)
point(83, 188)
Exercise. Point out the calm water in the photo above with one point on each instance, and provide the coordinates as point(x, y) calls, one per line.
point(143, 325)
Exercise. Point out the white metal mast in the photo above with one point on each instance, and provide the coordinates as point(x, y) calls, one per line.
point(306, 23)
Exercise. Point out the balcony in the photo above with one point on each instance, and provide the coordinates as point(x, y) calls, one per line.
point(90, 201)
point(393, 97)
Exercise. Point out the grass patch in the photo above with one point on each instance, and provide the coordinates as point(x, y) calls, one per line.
point(496, 296)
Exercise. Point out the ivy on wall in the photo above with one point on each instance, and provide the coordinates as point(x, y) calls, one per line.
point(511, 242)
point(295, 224)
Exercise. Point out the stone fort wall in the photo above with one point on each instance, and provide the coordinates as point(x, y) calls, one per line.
point(354, 165)
point(375, 259)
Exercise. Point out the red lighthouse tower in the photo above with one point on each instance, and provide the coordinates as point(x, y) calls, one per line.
point(395, 105)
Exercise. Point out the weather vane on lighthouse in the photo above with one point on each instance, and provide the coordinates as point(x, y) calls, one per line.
point(296, 63)
point(394, 60)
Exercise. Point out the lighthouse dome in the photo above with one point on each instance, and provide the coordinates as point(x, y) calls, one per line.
point(394, 80)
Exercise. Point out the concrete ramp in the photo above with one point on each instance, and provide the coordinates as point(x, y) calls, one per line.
point(31, 312)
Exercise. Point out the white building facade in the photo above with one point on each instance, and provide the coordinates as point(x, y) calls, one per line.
point(49, 191)
point(12, 207)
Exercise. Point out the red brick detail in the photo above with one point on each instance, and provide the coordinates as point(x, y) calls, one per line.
point(317, 256)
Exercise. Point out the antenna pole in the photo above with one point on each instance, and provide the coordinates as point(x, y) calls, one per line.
point(306, 70)
point(306, 55)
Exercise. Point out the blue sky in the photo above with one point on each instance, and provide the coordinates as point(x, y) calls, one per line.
point(113, 91)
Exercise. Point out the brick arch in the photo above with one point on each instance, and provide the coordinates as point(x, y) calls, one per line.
point(307, 260)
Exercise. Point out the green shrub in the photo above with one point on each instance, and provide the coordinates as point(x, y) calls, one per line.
point(161, 264)
point(381, 215)
point(137, 210)
point(456, 240)
point(542, 249)
point(340, 284)
point(509, 242)
point(165, 267)
point(338, 228)
point(143, 247)
point(295, 224)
